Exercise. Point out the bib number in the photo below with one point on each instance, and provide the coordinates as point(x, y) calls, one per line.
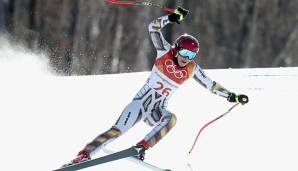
point(164, 91)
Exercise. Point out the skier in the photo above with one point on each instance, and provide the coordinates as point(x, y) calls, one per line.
point(174, 65)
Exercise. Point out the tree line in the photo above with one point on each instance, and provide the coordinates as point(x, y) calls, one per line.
point(92, 37)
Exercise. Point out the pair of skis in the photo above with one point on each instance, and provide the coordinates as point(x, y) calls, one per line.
point(128, 153)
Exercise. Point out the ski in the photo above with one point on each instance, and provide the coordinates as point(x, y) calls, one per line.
point(108, 158)
point(137, 161)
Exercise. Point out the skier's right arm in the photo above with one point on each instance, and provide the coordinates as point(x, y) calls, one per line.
point(156, 25)
point(157, 38)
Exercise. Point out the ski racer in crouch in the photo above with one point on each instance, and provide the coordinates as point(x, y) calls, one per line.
point(174, 65)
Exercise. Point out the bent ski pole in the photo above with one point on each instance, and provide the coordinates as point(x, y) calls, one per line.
point(141, 3)
point(229, 110)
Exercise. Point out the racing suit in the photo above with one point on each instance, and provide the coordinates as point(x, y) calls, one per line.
point(150, 103)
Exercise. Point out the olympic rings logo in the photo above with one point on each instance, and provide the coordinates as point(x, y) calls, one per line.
point(171, 68)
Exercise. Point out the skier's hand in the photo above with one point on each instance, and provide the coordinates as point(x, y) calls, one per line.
point(241, 98)
point(178, 15)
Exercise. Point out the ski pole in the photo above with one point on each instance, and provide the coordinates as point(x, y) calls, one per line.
point(140, 3)
point(228, 111)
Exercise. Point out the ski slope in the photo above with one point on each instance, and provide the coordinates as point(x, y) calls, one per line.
point(45, 119)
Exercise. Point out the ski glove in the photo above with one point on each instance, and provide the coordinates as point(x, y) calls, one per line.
point(241, 98)
point(178, 15)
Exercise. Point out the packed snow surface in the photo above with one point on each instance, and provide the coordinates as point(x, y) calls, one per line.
point(46, 119)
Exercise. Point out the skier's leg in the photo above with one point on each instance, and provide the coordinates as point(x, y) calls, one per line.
point(163, 121)
point(95, 145)
point(129, 117)
point(102, 140)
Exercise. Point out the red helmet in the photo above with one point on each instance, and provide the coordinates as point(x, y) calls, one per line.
point(188, 42)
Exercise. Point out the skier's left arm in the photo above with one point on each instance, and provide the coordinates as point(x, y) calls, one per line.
point(216, 88)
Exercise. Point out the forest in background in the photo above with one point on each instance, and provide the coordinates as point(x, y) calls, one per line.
point(84, 37)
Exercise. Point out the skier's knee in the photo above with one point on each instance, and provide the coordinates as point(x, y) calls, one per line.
point(172, 121)
point(167, 123)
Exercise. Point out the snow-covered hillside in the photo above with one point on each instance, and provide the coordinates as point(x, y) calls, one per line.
point(45, 120)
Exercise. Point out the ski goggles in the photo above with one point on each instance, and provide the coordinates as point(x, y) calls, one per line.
point(187, 54)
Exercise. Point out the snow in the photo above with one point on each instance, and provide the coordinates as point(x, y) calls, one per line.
point(46, 119)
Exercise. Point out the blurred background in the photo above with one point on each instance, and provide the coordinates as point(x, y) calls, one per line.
point(86, 37)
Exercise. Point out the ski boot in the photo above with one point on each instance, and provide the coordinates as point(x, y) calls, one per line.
point(144, 145)
point(81, 157)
